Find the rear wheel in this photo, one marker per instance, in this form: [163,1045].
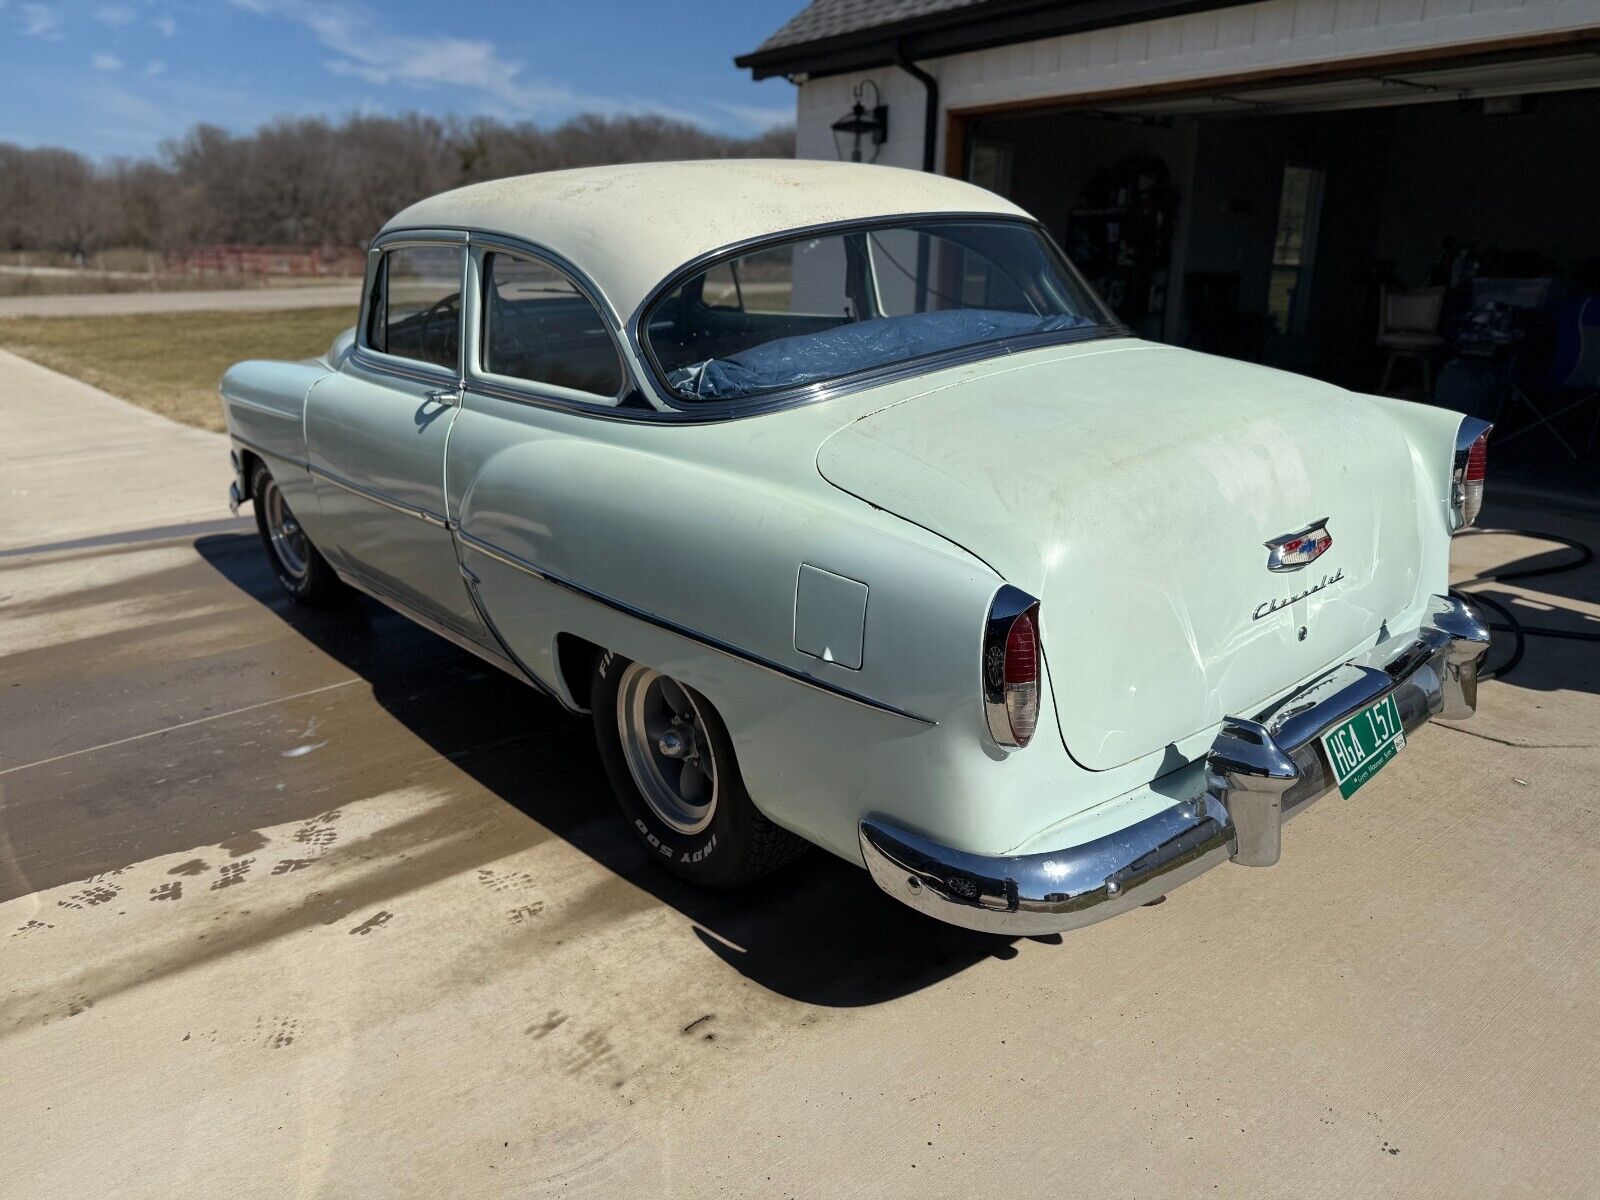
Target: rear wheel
[300,568]
[671,764]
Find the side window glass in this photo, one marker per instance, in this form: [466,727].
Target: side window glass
[538,326]
[416,306]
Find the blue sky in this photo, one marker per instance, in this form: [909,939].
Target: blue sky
[115,77]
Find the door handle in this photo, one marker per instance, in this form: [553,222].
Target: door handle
[445,396]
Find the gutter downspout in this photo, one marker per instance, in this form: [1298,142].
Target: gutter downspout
[930,112]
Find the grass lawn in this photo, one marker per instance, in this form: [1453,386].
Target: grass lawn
[170,362]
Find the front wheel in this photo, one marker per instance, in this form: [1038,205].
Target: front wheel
[671,764]
[300,568]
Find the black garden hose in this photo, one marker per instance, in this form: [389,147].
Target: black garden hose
[1520,632]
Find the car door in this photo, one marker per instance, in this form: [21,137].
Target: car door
[543,367]
[376,432]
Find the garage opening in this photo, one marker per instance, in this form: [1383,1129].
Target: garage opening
[1429,235]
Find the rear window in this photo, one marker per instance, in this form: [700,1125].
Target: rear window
[416,305]
[539,327]
[810,310]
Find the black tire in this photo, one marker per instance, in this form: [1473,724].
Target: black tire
[737,844]
[299,566]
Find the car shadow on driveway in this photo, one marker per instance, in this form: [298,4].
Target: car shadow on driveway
[818,931]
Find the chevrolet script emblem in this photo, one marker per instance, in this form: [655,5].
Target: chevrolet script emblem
[1295,550]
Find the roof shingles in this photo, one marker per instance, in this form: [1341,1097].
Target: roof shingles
[823,19]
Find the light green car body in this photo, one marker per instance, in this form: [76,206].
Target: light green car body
[1130,487]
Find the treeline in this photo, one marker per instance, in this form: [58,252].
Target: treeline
[310,181]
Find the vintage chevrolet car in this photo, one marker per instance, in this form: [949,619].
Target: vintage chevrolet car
[854,518]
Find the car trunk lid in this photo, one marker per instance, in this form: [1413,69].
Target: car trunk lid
[1133,489]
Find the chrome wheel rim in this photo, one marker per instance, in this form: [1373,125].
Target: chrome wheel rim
[289,543]
[667,748]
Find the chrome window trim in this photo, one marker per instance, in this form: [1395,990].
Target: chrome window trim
[1107,327]
[508,387]
[488,549]
[398,364]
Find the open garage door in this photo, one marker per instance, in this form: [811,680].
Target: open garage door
[1426,231]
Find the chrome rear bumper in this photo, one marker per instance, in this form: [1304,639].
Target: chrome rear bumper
[1259,773]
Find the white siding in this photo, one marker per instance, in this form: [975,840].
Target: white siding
[1226,41]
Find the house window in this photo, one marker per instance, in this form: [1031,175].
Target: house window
[1294,247]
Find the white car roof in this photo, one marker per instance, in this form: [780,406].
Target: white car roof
[629,227]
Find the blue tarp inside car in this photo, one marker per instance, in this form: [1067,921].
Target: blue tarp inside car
[857,346]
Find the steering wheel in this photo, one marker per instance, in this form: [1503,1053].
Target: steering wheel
[521,337]
[450,304]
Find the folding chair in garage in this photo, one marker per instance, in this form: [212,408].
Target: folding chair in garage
[1408,328]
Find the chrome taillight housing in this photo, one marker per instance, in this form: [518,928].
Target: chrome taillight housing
[1011,667]
[1471,466]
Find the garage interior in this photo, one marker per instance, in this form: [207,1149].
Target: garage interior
[1427,232]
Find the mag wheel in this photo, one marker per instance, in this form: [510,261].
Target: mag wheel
[671,764]
[302,571]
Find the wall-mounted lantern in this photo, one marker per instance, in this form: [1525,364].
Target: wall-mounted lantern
[862,127]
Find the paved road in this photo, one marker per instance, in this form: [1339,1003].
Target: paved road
[236,300]
[317,903]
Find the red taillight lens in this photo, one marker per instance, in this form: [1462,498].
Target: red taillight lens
[1011,667]
[1022,677]
[1472,465]
[1022,651]
[1478,460]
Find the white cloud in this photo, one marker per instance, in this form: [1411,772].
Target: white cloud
[41,21]
[101,61]
[115,15]
[756,116]
[365,49]
[164,25]
[153,68]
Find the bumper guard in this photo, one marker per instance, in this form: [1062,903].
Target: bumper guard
[1259,773]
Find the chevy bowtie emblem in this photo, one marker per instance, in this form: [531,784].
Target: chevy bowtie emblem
[1294,550]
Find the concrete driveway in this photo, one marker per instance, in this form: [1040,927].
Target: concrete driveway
[300,904]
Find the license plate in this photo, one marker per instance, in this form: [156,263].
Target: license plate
[1359,747]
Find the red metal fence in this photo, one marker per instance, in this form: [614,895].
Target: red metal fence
[267,260]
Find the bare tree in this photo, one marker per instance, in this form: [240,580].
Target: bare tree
[308,181]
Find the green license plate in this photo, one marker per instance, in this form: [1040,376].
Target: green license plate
[1358,748]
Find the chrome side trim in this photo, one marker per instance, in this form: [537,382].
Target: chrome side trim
[386,598]
[703,639]
[522,671]
[1260,772]
[355,489]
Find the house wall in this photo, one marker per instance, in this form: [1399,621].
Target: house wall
[1243,38]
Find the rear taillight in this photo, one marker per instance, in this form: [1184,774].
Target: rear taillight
[1011,667]
[1471,465]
